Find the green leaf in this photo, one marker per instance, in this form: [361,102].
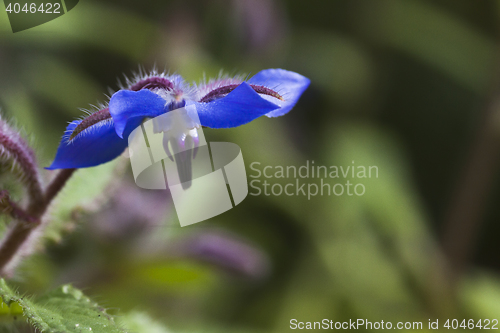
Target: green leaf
[65,309]
[433,36]
[69,88]
[480,295]
[109,28]
[140,322]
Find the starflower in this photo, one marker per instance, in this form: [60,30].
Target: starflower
[220,103]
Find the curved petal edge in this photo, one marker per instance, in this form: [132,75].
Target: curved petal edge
[240,106]
[96,145]
[289,85]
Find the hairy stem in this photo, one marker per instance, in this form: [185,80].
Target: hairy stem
[11,208]
[53,189]
[17,236]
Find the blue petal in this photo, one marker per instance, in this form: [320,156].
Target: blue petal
[240,106]
[289,85]
[95,145]
[129,108]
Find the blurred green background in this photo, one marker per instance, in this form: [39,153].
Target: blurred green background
[408,86]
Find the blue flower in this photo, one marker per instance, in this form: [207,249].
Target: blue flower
[220,103]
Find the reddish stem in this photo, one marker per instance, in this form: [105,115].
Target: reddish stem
[17,236]
[13,209]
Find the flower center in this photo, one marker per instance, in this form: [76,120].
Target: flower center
[176,104]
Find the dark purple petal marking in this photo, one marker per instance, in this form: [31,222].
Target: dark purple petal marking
[91,120]
[221,91]
[152,83]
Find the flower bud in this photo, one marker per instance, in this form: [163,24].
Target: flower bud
[17,156]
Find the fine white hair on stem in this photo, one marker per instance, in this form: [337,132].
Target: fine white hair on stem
[20,159]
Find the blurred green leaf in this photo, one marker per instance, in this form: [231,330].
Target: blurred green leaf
[335,63]
[61,84]
[480,295]
[65,309]
[92,23]
[21,110]
[433,36]
[83,189]
[174,275]
[376,245]
[140,322]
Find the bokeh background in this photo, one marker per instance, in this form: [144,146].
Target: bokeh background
[409,86]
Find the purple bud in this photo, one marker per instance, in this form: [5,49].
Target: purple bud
[259,23]
[130,212]
[20,158]
[226,251]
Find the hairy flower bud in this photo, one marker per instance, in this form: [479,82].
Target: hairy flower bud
[19,158]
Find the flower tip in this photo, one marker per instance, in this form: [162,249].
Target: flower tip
[56,164]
